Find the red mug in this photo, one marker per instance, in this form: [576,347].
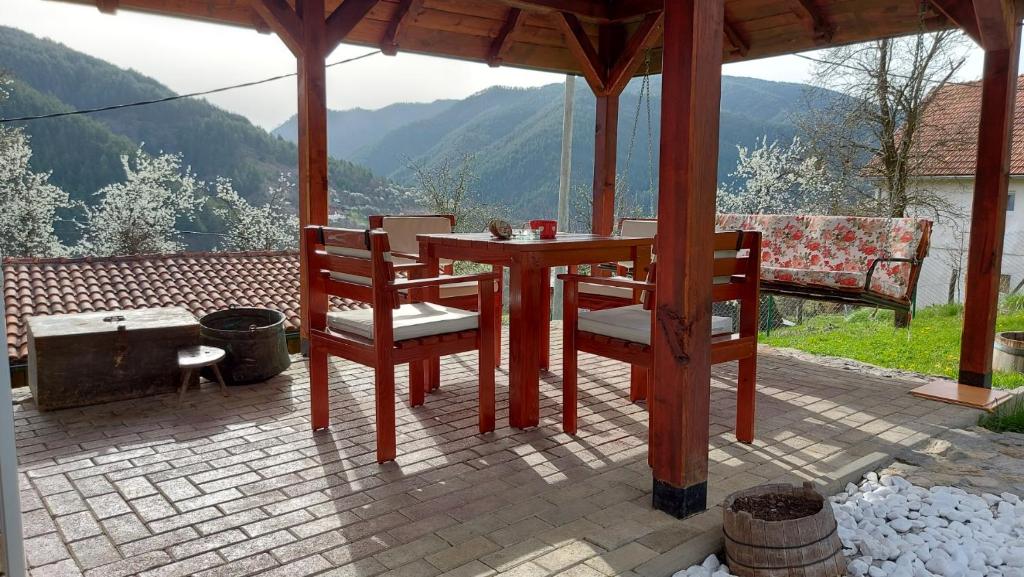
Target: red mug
[547,228]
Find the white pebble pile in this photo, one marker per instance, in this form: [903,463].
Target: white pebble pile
[892,528]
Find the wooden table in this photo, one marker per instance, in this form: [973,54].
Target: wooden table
[529,263]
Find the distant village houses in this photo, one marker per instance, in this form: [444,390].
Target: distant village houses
[945,170]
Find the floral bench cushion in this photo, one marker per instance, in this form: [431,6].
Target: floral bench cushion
[836,252]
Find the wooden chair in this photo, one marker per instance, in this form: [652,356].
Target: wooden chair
[402,230]
[593,296]
[624,333]
[357,265]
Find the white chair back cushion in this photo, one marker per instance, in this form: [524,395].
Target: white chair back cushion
[402,230]
[352,253]
[643,228]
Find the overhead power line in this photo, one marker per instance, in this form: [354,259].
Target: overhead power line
[175,97]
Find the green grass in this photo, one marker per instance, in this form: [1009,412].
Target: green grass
[931,345]
[1009,417]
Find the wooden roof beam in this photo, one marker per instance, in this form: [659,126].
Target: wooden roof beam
[107,6]
[344,18]
[583,50]
[823,31]
[389,44]
[996,19]
[739,44]
[620,10]
[501,43]
[590,10]
[961,14]
[626,64]
[283,20]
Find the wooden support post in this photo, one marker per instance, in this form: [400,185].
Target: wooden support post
[611,41]
[606,129]
[680,386]
[312,119]
[988,213]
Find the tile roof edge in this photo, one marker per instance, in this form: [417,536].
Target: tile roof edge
[145,257]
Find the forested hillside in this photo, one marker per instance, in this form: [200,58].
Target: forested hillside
[515,136]
[83,152]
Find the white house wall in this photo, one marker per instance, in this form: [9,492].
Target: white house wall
[950,237]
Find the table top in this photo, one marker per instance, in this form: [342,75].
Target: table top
[564,241]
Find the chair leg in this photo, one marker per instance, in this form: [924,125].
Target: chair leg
[220,380]
[570,394]
[417,383]
[433,373]
[384,386]
[746,399]
[319,401]
[637,383]
[497,332]
[486,386]
[186,376]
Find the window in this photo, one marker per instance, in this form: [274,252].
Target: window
[1010,198]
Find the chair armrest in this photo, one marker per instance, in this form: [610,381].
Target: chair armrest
[871,270]
[630,284]
[406,255]
[409,267]
[442,280]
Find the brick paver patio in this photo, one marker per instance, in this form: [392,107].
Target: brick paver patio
[241,486]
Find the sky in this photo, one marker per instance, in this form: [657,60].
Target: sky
[189,56]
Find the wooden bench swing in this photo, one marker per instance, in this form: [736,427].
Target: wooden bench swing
[852,260]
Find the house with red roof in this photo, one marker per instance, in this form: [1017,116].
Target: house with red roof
[947,151]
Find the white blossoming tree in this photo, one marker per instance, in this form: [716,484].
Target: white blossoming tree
[139,215]
[777,179]
[28,202]
[266,227]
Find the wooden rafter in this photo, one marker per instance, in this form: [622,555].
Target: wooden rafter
[995,19]
[583,50]
[283,20]
[107,6]
[583,9]
[389,44]
[344,18]
[961,14]
[739,44]
[627,62]
[823,31]
[501,43]
[630,9]
[260,24]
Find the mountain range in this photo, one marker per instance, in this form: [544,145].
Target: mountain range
[83,152]
[514,136]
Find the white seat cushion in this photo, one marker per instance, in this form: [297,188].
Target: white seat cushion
[410,321]
[633,323]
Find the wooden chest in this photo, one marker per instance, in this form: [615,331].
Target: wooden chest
[90,358]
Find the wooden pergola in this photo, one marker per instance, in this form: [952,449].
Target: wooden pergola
[604,41]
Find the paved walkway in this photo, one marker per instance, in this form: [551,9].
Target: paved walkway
[241,486]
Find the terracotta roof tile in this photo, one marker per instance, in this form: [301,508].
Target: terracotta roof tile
[947,142]
[199,282]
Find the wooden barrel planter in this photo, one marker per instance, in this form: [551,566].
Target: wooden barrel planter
[1008,352]
[781,530]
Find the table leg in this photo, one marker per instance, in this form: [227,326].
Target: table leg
[432,268]
[545,319]
[186,375]
[525,304]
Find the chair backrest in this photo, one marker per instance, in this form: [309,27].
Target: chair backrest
[638,227]
[736,268]
[402,229]
[350,263]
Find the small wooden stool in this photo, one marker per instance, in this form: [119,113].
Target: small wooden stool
[194,358]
